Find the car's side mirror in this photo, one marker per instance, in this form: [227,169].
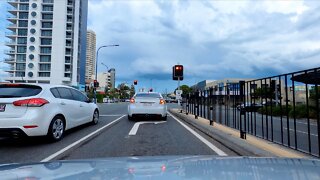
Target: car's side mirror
[88,101]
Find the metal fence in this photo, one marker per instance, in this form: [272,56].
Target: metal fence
[283,109]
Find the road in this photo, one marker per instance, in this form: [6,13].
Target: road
[256,124]
[152,137]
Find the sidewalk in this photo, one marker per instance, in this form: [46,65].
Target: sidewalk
[251,146]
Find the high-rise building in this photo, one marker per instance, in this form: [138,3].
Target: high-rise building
[47,41]
[112,73]
[106,79]
[91,55]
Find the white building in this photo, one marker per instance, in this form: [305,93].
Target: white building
[47,41]
[91,55]
[104,80]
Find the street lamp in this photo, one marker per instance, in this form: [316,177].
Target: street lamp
[105,66]
[96,75]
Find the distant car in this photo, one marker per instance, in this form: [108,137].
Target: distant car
[127,100]
[43,110]
[248,107]
[147,104]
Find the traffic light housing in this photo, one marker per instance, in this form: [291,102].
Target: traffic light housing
[95,83]
[177,72]
[135,82]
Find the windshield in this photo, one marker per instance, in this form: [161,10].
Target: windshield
[160,79]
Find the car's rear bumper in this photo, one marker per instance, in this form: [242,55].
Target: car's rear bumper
[33,123]
[11,132]
[150,110]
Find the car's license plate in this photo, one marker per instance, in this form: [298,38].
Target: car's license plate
[147,104]
[2,107]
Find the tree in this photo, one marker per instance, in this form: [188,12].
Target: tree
[113,93]
[185,89]
[263,93]
[313,96]
[124,91]
[132,91]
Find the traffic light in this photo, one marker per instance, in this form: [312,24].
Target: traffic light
[177,72]
[135,82]
[151,90]
[95,83]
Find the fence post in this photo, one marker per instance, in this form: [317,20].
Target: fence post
[187,104]
[196,114]
[242,112]
[210,105]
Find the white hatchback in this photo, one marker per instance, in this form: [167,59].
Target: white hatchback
[147,104]
[43,110]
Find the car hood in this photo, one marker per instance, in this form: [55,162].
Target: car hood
[167,167]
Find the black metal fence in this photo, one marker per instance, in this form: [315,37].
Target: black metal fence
[283,109]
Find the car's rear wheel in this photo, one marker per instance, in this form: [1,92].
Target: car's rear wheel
[95,118]
[56,129]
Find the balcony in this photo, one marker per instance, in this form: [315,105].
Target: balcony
[13,3]
[69,28]
[12,27]
[10,52]
[9,60]
[11,43]
[12,18]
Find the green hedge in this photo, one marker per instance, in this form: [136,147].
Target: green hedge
[99,97]
[300,111]
[276,110]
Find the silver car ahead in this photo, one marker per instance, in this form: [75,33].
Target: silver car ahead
[147,104]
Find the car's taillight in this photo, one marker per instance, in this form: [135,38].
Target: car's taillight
[132,101]
[162,101]
[34,102]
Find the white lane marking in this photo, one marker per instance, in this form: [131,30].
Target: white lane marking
[136,125]
[110,115]
[301,132]
[51,157]
[206,142]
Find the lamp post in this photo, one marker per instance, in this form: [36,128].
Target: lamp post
[96,75]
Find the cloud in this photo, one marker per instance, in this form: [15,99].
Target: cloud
[212,39]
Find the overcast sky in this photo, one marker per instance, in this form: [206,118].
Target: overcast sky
[212,39]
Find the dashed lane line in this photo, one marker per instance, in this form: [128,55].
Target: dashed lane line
[51,157]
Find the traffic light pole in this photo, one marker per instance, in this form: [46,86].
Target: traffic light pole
[178,89]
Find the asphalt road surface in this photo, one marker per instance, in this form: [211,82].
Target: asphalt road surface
[114,136]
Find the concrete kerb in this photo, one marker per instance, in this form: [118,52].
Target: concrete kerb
[252,146]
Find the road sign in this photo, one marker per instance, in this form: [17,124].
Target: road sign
[178,94]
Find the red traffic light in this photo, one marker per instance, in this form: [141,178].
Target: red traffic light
[178,72]
[135,82]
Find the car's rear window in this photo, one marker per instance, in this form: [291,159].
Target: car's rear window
[18,90]
[148,95]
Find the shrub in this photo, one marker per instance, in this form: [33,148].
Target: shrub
[276,110]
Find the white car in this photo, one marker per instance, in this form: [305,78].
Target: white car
[43,110]
[147,104]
